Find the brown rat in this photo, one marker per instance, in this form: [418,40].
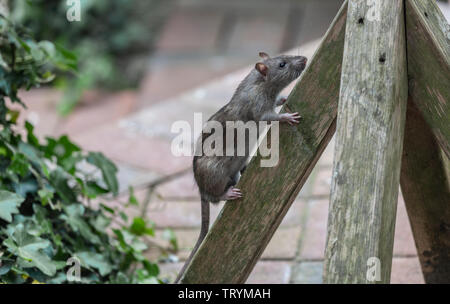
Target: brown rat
[255,99]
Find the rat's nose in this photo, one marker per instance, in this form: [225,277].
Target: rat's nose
[301,62]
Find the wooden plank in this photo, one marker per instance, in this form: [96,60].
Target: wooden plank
[369,140]
[428,46]
[244,227]
[425,186]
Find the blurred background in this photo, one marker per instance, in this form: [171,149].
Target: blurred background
[144,64]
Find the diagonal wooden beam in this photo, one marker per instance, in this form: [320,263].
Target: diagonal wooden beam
[428,48]
[244,227]
[426,190]
[369,141]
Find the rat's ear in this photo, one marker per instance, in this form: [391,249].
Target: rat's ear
[262,68]
[264,55]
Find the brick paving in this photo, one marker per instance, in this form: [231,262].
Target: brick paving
[196,66]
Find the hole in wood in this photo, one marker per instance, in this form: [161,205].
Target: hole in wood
[382,58]
[426,14]
[361,20]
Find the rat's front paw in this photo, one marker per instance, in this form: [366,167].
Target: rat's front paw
[290,118]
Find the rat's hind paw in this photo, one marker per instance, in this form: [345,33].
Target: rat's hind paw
[232,194]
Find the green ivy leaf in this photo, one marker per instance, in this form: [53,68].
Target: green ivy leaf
[152,269]
[19,164]
[36,51]
[100,223]
[41,220]
[66,53]
[31,138]
[139,227]
[46,195]
[123,216]
[132,200]
[4,64]
[62,148]
[14,115]
[48,47]
[130,243]
[3,151]
[5,267]
[92,189]
[30,249]
[25,186]
[121,278]
[74,217]
[30,152]
[94,260]
[14,38]
[150,280]
[120,238]
[9,204]
[59,180]
[69,163]
[107,168]
[65,59]
[107,209]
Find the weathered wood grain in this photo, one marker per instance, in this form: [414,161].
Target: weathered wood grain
[244,227]
[369,141]
[428,47]
[426,190]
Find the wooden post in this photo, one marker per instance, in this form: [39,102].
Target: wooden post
[428,45]
[424,180]
[244,227]
[425,186]
[369,141]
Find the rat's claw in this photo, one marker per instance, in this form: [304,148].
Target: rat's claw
[291,118]
[232,194]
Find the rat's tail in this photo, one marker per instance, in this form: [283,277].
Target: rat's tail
[203,231]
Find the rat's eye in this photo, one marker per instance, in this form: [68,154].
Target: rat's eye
[282,64]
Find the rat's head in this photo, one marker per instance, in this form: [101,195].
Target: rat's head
[279,71]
